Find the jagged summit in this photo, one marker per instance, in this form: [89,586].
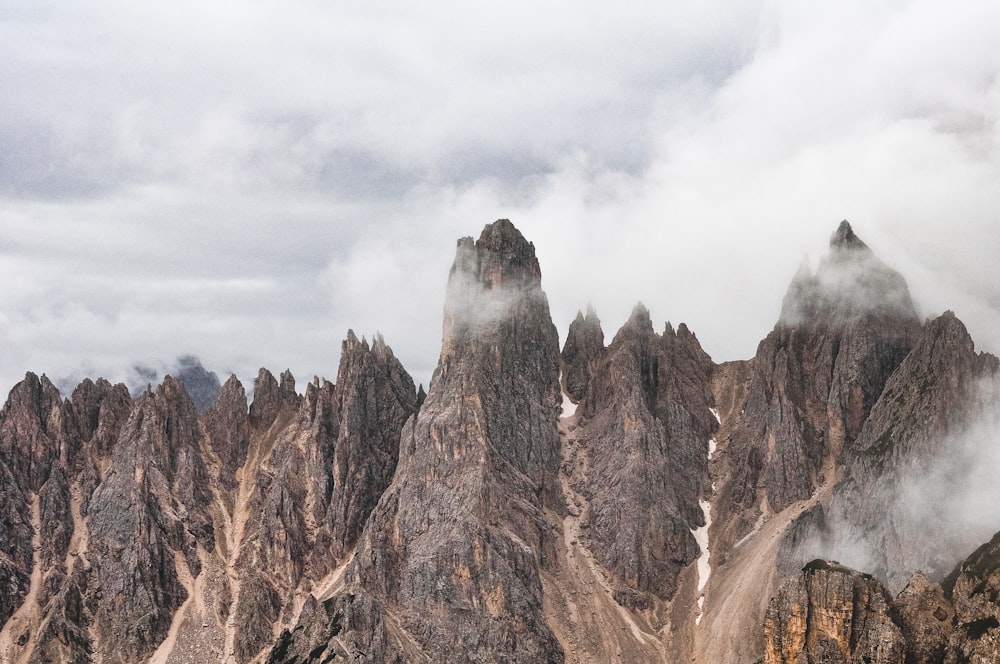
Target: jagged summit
[501,257]
[493,282]
[640,319]
[844,238]
[584,345]
[851,283]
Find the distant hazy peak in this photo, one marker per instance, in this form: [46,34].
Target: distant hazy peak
[851,282]
[845,239]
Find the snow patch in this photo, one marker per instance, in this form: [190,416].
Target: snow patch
[568,407]
[704,565]
[701,537]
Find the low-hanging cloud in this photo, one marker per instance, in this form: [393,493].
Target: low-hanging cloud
[931,511]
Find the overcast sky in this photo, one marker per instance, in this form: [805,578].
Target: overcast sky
[244,181]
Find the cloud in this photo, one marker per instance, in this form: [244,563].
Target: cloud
[949,482]
[247,183]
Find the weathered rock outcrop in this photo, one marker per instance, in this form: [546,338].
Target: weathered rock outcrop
[841,334]
[914,463]
[925,617]
[152,504]
[330,462]
[580,354]
[33,435]
[974,587]
[15,543]
[228,427]
[270,397]
[831,615]
[644,427]
[375,397]
[448,568]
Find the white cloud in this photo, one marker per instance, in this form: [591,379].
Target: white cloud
[157,161]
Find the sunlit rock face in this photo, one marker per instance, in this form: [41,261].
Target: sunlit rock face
[829,614]
[832,614]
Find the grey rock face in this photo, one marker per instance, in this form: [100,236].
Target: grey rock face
[201,385]
[330,461]
[448,567]
[33,435]
[269,397]
[582,350]
[228,427]
[375,398]
[152,503]
[644,428]
[913,463]
[817,375]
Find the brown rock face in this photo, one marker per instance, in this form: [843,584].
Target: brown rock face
[228,429]
[141,515]
[924,615]
[33,435]
[582,350]
[832,615]
[914,463]
[269,397]
[974,587]
[448,568]
[644,428]
[152,503]
[816,376]
[375,400]
[331,461]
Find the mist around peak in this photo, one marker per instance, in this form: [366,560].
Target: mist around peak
[917,501]
[850,283]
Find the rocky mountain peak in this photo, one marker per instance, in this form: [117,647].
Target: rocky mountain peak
[638,326]
[457,540]
[850,284]
[584,345]
[269,397]
[228,426]
[202,386]
[489,520]
[844,239]
[506,257]
[32,430]
[493,282]
[639,321]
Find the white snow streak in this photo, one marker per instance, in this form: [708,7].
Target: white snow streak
[568,407]
[701,536]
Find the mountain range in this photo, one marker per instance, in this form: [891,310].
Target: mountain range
[829,500]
